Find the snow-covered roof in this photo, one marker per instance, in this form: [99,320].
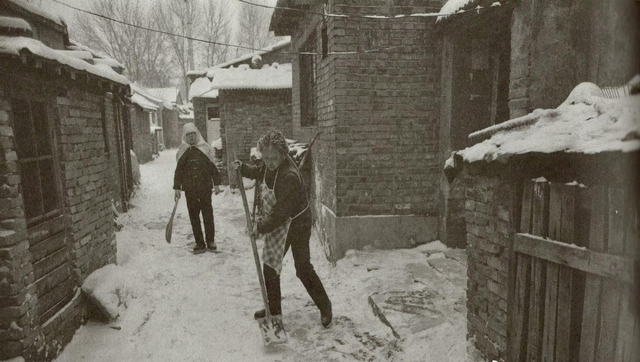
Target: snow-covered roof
[143,102]
[10,22]
[98,57]
[592,125]
[18,45]
[242,58]
[38,11]
[275,76]
[201,88]
[136,88]
[458,6]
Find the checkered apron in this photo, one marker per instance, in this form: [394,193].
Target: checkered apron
[274,242]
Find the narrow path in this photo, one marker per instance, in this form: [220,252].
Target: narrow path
[183,307]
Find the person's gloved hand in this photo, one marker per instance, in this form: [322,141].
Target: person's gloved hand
[236,164]
[216,189]
[176,195]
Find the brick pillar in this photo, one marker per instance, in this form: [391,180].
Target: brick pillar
[20,334]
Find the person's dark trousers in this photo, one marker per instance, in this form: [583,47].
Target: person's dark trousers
[298,240]
[200,202]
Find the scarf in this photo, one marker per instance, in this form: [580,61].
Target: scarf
[202,145]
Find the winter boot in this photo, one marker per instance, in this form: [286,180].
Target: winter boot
[199,249]
[212,246]
[259,314]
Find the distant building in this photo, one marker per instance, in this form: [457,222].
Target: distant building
[146,125]
[171,129]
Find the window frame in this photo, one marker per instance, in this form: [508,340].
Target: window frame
[48,108]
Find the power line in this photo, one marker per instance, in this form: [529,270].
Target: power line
[368,17]
[369,51]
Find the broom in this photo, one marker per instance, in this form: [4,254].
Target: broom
[271,327]
[169,229]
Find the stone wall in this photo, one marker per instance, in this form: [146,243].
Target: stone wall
[246,114]
[489,213]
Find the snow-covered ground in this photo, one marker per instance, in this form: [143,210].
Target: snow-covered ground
[176,306]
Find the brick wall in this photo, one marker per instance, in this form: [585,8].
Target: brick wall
[19,320]
[200,114]
[39,311]
[87,176]
[171,127]
[489,213]
[246,114]
[377,112]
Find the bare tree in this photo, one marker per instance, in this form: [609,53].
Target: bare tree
[142,52]
[217,28]
[254,26]
[185,18]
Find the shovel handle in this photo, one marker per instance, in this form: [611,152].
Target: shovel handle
[253,243]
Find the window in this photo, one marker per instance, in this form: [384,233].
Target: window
[308,111]
[35,157]
[213,112]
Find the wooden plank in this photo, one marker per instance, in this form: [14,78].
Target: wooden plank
[611,289]
[536,310]
[593,287]
[47,229]
[55,277]
[51,245]
[563,330]
[519,322]
[52,261]
[607,265]
[540,218]
[527,197]
[626,325]
[550,308]
[48,301]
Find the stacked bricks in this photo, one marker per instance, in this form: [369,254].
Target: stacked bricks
[247,114]
[386,110]
[111,149]
[86,175]
[489,222]
[19,319]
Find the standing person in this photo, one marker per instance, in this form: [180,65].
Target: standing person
[196,175]
[285,222]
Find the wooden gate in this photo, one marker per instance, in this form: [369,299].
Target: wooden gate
[573,290]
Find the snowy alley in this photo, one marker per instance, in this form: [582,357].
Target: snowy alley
[176,306]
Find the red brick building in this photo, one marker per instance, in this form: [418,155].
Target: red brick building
[64,161]
[371,87]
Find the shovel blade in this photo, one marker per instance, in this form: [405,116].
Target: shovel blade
[272,330]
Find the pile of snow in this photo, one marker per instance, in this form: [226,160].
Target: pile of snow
[16,45]
[584,123]
[274,76]
[99,57]
[452,7]
[9,22]
[107,288]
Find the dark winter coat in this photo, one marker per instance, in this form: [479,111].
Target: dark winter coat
[195,172]
[291,195]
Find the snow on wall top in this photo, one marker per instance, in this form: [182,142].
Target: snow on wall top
[593,126]
[14,23]
[452,6]
[39,11]
[15,45]
[201,88]
[275,76]
[242,58]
